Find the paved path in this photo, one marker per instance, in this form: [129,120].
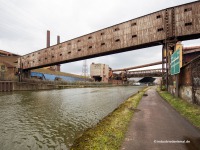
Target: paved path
[157,121]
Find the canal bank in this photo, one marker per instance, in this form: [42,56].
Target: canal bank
[109,132]
[188,110]
[7,86]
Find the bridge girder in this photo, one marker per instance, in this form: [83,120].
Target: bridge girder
[158,28]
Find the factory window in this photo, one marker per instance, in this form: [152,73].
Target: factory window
[33,61]
[116,29]
[69,44]
[27,56]
[60,54]
[188,24]
[52,56]
[133,24]
[160,29]
[159,16]
[69,52]
[45,58]
[117,40]
[134,36]
[39,59]
[102,33]
[103,44]
[90,47]
[89,37]
[79,49]
[187,9]
[79,41]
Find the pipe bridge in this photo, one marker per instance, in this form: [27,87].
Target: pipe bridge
[136,67]
[159,28]
[145,73]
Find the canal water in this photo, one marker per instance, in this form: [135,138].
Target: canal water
[54,119]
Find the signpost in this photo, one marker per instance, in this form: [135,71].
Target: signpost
[176,64]
[176,60]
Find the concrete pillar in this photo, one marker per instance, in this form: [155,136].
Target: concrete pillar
[177,85]
[167,66]
[27,74]
[163,65]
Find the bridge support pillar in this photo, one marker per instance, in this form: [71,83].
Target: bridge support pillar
[23,74]
[168,48]
[27,74]
[163,66]
[20,74]
[176,85]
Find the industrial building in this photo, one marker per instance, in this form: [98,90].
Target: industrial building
[99,72]
[8,63]
[9,70]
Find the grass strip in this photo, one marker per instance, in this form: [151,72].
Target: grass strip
[186,109]
[109,133]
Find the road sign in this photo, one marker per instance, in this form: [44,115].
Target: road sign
[176,60]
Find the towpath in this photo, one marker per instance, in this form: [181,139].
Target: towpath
[157,126]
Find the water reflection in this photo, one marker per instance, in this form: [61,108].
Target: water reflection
[53,119]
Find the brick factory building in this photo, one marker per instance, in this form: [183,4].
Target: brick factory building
[8,63]
[99,72]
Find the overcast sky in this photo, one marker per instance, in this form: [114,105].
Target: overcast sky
[23,26]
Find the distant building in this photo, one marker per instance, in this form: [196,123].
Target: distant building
[8,66]
[99,72]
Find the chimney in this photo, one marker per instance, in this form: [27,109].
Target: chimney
[58,39]
[48,38]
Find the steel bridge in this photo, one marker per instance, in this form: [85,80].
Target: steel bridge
[145,73]
[140,66]
[164,27]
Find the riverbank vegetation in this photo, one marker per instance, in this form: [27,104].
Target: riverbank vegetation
[188,110]
[109,132]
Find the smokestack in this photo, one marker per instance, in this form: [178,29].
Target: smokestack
[58,39]
[48,38]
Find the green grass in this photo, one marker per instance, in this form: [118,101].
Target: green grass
[188,110]
[109,133]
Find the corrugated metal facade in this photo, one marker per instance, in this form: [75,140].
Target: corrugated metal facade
[52,77]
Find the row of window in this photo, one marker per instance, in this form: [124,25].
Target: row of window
[117,40]
[102,44]
[116,29]
[132,24]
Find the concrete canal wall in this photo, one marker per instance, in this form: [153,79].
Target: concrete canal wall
[7,86]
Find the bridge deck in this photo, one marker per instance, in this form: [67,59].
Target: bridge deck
[182,22]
